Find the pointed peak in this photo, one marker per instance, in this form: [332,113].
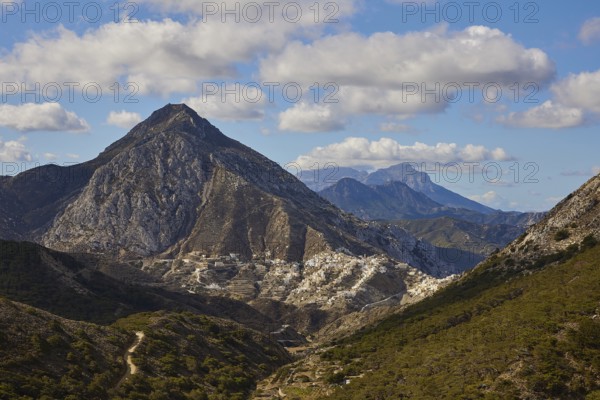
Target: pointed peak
[171,119]
[175,117]
[170,111]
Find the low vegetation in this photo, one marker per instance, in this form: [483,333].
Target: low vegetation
[505,331]
[188,356]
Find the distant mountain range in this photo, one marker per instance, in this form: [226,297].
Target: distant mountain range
[393,200]
[389,195]
[404,173]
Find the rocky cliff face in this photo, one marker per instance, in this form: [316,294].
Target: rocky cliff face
[573,220]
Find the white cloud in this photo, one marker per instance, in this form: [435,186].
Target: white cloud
[575,99]
[548,115]
[361,152]
[72,156]
[41,117]
[391,74]
[396,127]
[162,57]
[494,200]
[50,156]
[123,119]
[14,151]
[579,90]
[490,197]
[304,117]
[590,31]
[389,60]
[244,102]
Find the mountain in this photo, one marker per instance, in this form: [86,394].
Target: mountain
[394,200]
[320,179]
[567,226]
[176,185]
[421,182]
[468,231]
[405,172]
[524,324]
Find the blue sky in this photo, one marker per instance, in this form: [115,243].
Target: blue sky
[499,101]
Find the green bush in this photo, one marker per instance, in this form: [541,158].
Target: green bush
[561,235]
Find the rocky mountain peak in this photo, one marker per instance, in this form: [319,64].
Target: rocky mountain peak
[174,114]
[176,118]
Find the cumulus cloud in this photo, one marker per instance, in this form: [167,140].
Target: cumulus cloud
[548,115]
[50,156]
[361,152]
[14,151]
[243,102]
[161,57]
[575,98]
[304,117]
[494,200]
[394,74]
[389,60]
[123,119]
[590,31]
[579,90]
[31,117]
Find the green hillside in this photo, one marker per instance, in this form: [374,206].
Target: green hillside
[182,356]
[188,356]
[503,332]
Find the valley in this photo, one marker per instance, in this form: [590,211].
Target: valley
[207,278]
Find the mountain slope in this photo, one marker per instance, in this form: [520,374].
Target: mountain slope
[525,324]
[491,335]
[468,236]
[187,356]
[45,356]
[182,356]
[566,225]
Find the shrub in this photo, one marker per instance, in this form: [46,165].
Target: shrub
[561,235]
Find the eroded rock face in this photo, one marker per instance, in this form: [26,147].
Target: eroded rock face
[569,223]
[141,202]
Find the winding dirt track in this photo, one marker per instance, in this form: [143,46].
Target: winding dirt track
[128,357]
